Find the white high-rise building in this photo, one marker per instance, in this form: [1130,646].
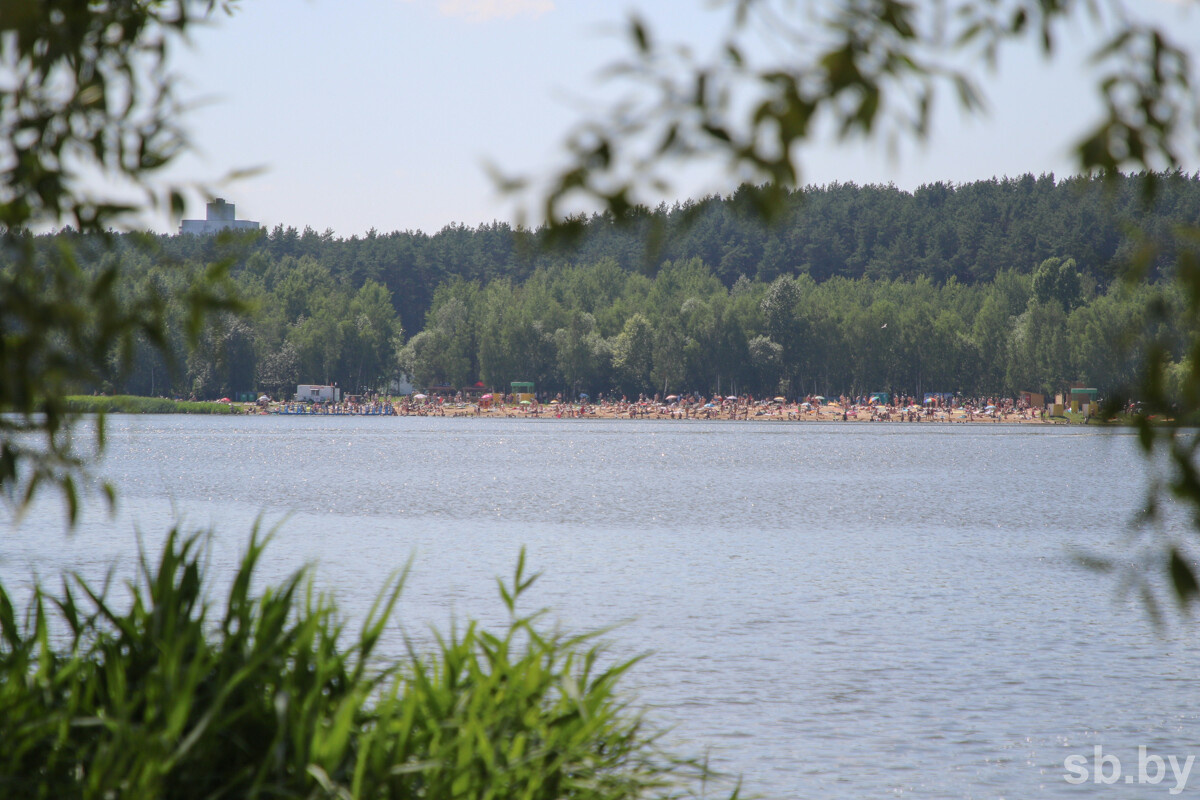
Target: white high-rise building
[220,217]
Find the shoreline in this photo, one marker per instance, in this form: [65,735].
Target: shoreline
[727,412]
[762,413]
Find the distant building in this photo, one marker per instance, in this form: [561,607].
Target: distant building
[220,217]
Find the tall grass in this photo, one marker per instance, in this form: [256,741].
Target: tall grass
[270,697]
[131,404]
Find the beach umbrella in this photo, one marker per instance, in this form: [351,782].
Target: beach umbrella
[732,397]
[583,395]
[780,399]
[524,402]
[487,396]
[818,397]
[420,396]
[264,399]
[806,405]
[672,397]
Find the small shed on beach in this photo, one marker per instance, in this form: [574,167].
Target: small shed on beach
[317,393]
[1033,399]
[522,391]
[1082,395]
[1078,397]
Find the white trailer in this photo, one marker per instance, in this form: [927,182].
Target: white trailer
[318,393]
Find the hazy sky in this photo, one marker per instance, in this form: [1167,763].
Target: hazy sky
[382,113]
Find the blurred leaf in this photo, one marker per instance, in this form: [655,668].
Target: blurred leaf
[1183,579]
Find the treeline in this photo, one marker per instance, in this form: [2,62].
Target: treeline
[601,328]
[969,232]
[989,287]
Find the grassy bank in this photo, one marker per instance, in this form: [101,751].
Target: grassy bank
[129,404]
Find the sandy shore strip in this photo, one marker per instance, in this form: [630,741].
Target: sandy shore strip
[730,411]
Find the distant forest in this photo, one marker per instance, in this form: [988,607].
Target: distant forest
[985,288]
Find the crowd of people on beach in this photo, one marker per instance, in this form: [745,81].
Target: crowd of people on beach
[861,408]
[373,408]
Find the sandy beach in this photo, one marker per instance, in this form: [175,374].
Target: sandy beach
[729,411]
[831,412]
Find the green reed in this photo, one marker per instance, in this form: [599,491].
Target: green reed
[174,697]
[131,404]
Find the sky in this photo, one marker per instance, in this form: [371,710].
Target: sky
[384,114]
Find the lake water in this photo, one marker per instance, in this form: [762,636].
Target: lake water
[831,610]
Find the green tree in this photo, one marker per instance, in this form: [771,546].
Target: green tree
[1106,347]
[319,337]
[990,335]
[584,357]
[279,371]
[667,369]
[1039,357]
[373,331]
[766,358]
[784,326]
[1059,280]
[633,355]
[441,353]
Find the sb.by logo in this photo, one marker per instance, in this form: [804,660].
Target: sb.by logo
[1106,769]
